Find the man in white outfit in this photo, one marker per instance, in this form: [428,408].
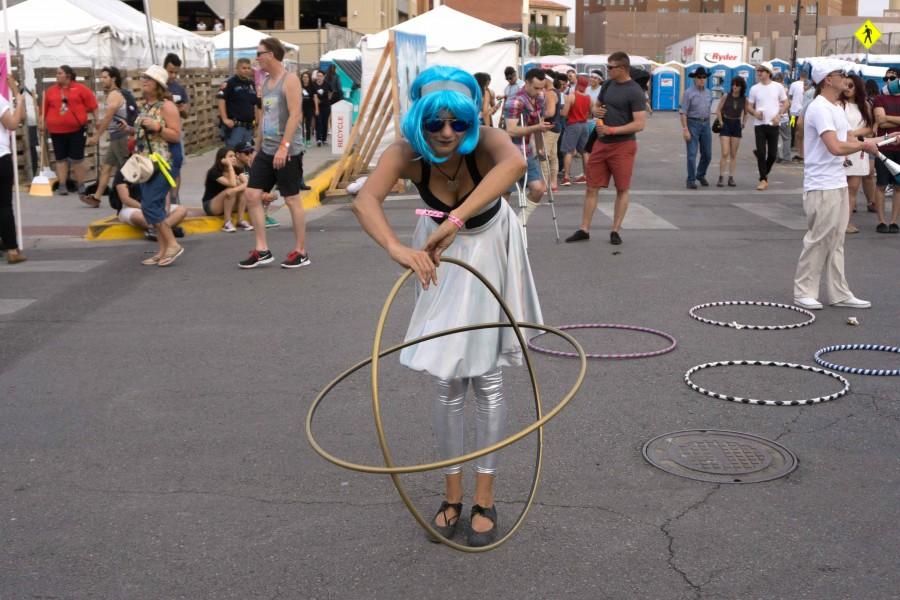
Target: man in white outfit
[825,198]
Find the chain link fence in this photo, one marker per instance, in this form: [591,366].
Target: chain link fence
[889,43]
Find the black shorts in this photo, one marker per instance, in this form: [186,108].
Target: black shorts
[882,175]
[69,145]
[263,175]
[731,128]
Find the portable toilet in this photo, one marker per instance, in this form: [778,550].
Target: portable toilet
[666,89]
[719,82]
[781,66]
[679,68]
[747,72]
[589,62]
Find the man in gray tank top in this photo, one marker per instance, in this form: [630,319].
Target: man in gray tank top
[280,156]
[114,122]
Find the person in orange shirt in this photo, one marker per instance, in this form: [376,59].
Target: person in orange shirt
[65,112]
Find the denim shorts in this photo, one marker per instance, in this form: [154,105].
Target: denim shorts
[534,172]
[153,196]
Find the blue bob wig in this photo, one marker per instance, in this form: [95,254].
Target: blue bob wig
[434,93]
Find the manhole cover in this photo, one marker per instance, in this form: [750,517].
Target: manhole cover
[719,456]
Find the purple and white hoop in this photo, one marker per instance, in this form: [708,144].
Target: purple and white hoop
[673,343]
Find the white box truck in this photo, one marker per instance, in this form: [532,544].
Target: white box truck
[709,47]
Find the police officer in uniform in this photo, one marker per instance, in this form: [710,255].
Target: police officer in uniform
[238,104]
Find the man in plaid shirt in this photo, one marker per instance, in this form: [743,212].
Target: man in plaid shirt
[528,103]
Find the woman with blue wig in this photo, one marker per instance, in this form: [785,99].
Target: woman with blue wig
[460,170]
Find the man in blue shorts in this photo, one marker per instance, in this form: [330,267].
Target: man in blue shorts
[528,103]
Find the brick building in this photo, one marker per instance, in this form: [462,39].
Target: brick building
[763,8]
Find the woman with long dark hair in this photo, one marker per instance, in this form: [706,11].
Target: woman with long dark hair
[859,116]
[308,106]
[732,114]
[224,190]
[489,104]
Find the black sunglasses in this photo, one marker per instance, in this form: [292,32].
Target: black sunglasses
[435,125]
[258,53]
[890,78]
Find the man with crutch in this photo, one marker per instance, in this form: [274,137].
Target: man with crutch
[528,104]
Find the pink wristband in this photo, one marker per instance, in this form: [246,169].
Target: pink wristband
[456,221]
[428,212]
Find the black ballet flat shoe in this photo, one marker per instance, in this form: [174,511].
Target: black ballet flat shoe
[477,539]
[449,529]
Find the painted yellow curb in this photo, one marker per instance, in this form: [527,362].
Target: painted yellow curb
[110,228]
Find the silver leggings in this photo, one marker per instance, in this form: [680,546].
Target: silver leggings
[447,418]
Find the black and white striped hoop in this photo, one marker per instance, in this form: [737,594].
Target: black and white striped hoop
[766,363]
[857,370]
[736,325]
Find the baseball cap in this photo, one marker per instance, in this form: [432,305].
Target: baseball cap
[245,148]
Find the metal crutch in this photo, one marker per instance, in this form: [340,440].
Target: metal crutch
[549,187]
[522,189]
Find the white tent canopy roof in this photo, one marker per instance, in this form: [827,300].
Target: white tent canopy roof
[56,21]
[447,29]
[347,54]
[245,37]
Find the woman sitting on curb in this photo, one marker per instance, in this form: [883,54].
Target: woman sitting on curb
[223,189]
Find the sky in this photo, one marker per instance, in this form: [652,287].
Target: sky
[867,8]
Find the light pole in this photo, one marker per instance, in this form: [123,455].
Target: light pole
[796,39]
[746,3]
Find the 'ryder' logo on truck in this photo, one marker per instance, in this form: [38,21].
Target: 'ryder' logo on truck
[715,57]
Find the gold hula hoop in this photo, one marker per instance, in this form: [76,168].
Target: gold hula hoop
[393,470]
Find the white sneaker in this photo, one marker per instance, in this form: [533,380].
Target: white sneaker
[245,226]
[228,227]
[808,303]
[852,302]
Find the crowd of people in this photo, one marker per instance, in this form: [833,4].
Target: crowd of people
[778,115]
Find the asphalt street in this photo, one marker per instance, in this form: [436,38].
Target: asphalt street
[152,420]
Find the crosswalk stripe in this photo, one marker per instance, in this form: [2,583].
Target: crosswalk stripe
[637,217]
[52,266]
[9,306]
[786,216]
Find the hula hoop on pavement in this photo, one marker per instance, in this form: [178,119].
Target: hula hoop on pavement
[393,470]
[766,363]
[857,370]
[673,342]
[736,325]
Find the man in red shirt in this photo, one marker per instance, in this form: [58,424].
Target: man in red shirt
[65,113]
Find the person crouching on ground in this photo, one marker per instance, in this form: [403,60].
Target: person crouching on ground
[825,198]
[460,170]
[158,129]
[224,189]
[127,197]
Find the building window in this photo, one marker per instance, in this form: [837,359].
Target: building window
[684,10]
[812,9]
[559,21]
[793,9]
[781,9]
[737,8]
[663,10]
[533,19]
[768,8]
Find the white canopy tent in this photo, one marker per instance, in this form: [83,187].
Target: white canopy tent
[96,33]
[246,40]
[453,39]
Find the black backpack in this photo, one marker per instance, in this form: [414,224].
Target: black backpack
[131,107]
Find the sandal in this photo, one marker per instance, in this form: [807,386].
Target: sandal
[90,200]
[153,260]
[449,529]
[477,539]
[171,255]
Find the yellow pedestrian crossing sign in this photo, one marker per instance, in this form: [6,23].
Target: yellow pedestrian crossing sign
[868,34]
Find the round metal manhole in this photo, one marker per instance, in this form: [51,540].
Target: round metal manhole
[719,456]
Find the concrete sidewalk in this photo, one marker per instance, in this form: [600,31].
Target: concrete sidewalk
[66,216]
